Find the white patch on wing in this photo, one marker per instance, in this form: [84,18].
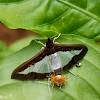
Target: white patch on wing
[66,57]
[43,66]
[52,62]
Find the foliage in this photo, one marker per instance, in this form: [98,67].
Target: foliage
[4,51]
[50,17]
[84,86]
[19,44]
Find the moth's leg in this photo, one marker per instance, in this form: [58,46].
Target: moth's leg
[78,64]
[49,83]
[40,43]
[72,73]
[42,48]
[52,85]
[60,86]
[56,42]
[35,80]
[56,37]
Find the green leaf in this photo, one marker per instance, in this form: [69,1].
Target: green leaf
[19,44]
[97,38]
[4,51]
[50,17]
[84,86]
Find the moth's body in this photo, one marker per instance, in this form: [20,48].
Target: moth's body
[51,52]
[58,80]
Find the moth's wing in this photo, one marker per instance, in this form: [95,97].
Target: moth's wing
[25,67]
[42,66]
[41,62]
[70,54]
[48,64]
[66,57]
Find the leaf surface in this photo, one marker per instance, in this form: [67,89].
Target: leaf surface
[19,44]
[4,51]
[84,86]
[50,17]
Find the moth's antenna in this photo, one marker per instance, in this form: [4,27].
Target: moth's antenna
[72,73]
[40,43]
[56,37]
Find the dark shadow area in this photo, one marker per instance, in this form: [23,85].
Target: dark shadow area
[9,36]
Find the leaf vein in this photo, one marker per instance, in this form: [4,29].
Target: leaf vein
[91,86]
[55,18]
[80,9]
[89,46]
[81,26]
[92,64]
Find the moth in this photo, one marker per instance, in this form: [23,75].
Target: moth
[50,62]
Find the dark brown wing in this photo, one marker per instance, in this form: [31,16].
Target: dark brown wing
[76,58]
[25,65]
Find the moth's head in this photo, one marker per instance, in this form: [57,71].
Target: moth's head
[49,43]
[58,80]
